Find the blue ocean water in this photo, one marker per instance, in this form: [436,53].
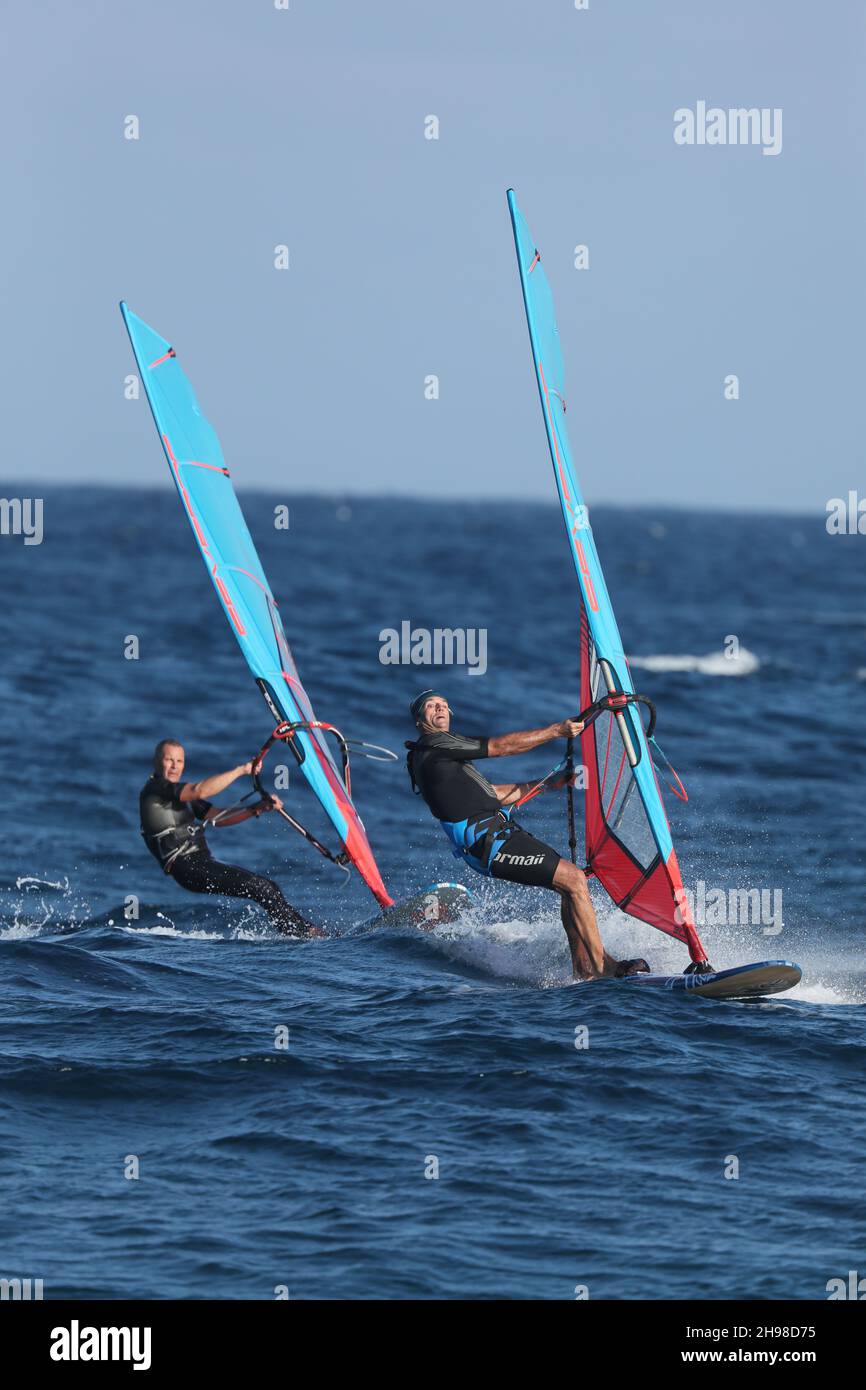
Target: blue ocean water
[305,1167]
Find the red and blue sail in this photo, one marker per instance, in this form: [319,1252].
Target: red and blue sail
[202,479]
[628,839]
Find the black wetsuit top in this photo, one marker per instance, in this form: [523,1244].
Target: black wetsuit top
[441,768]
[170,826]
[472,815]
[175,838]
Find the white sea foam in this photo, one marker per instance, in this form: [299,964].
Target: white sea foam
[168,929]
[813,990]
[249,926]
[37,895]
[518,936]
[532,949]
[21,931]
[531,952]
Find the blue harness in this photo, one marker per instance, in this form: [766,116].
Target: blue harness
[477,841]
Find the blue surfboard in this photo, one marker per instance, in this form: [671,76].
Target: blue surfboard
[753,981]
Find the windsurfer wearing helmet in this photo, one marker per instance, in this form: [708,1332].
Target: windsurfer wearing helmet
[173,816]
[475,815]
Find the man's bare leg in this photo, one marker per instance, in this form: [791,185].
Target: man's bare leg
[582,967]
[589,959]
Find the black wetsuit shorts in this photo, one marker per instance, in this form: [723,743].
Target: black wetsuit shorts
[523,859]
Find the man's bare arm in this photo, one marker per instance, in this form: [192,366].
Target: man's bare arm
[503,745]
[212,786]
[510,792]
[513,791]
[219,818]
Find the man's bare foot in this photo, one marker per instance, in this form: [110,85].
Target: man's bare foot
[580,976]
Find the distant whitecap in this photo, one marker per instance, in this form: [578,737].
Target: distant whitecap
[745,663]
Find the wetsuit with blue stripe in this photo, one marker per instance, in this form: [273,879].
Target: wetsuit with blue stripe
[467,807]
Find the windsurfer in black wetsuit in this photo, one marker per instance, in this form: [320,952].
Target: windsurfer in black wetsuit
[171,812]
[473,813]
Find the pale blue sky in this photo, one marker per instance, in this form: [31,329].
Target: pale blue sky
[261,126]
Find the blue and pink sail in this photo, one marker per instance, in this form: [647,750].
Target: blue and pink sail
[202,479]
[627,836]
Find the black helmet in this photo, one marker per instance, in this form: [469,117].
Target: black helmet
[420,701]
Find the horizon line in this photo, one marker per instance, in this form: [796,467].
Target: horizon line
[116,485]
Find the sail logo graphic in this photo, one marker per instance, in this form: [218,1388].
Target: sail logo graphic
[77,1343]
[439,646]
[712,125]
[22,516]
